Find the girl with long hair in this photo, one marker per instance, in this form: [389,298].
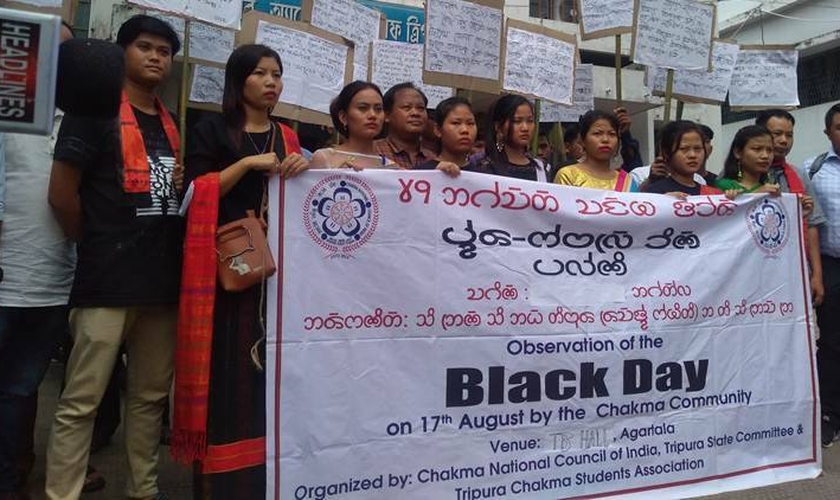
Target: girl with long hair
[511,126]
[684,154]
[599,132]
[746,166]
[220,384]
[358,115]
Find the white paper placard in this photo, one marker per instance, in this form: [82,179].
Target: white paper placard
[463,38]
[208,84]
[538,65]
[605,17]
[52,4]
[700,85]
[207,42]
[354,22]
[584,99]
[674,34]
[398,62]
[224,13]
[313,67]
[765,78]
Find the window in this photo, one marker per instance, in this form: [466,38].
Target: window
[558,10]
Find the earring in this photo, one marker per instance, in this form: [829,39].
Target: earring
[500,144]
[740,174]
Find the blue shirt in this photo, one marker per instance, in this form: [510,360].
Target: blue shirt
[826,184]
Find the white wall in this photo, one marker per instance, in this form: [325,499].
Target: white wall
[808,137]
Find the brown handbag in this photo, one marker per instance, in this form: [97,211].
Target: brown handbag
[244,257]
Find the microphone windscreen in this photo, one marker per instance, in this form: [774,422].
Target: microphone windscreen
[90,77]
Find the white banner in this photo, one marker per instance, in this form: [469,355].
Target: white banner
[484,337]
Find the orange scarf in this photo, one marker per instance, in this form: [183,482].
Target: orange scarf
[195,316]
[135,160]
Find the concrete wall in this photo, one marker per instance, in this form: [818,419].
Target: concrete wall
[816,30]
[808,137]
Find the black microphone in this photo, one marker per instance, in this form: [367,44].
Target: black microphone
[90,77]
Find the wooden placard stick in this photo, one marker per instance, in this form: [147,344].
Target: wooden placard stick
[185,83]
[669,91]
[535,140]
[618,96]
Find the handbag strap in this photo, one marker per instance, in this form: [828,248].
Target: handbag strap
[263,215]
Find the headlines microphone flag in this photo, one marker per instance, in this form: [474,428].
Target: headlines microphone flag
[28,69]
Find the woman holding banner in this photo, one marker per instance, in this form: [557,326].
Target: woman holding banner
[358,114]
[683,151]
[219,417]
[510,130]
[599,133]
[456,130]
[746,166]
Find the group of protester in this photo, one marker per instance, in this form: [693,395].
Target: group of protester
[139,280]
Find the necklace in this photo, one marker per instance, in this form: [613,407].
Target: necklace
[253,143]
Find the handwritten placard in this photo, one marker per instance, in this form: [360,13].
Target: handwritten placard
[353,21]
[765,76]
[584,99]
[605,17]
[208,84]
[207,42]
[673,34]
[314,68]
[700,86]
[224,13]
[463,43]
[539,62]
[398,62]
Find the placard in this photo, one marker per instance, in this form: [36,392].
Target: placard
[207,85]
[464,44]
[316,64]
[62,8]
[539,62]
[708,87]
[673,34]
[533,341]
[353,21]
[599,18]
[765,77]
[224,13]
[207,42]
[398,62]
[584,99]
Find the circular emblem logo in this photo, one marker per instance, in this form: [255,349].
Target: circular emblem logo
[769,224]
[340,213]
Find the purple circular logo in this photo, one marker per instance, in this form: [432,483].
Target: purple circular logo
[340,213]
[770,225]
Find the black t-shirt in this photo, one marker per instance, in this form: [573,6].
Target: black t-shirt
[211,148]
[669,185]
[506,169]
[710,178]
[130,253]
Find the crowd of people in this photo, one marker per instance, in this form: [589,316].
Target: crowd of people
[97,245]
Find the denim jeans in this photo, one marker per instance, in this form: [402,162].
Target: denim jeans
[28,336]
